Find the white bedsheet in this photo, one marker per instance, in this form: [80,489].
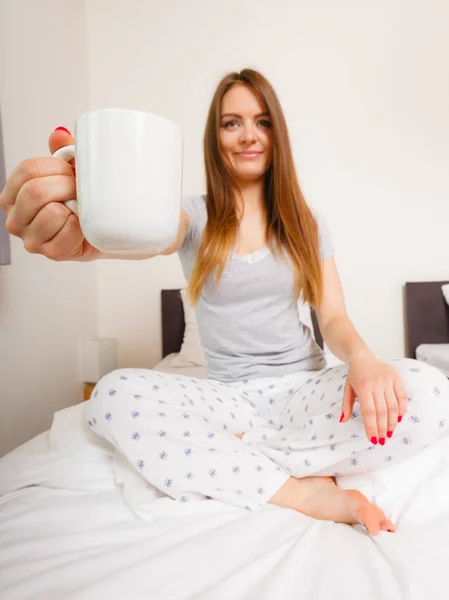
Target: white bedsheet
[77,522]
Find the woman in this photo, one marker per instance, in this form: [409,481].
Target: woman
[265,426]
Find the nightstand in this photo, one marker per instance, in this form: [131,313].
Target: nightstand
[87,390]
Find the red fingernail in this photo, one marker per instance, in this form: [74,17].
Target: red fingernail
[389,433]
[63,129]
[374,440]
[381,441]
[342,417]
[399,418]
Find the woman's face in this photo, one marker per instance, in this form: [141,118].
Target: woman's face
[245,127]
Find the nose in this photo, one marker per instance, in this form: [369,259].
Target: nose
[248,133]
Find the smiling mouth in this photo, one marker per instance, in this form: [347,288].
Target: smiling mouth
[249,154]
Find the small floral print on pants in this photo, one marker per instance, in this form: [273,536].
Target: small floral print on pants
[179,432]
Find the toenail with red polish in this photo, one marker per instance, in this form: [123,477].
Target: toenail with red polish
[342,417]
[399,418]
[374,440]
[381,441]
[389,434]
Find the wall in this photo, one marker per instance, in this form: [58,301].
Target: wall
[365,97]
[364,91]
[46,308]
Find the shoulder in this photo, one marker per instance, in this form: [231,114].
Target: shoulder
[326,243]
[315,212]
[319,216]
[194,206]
[194,203]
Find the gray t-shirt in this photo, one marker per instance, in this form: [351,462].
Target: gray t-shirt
[249,323]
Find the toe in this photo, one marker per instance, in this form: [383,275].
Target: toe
[373,518]
[390,526]
[372,523]
[385,524]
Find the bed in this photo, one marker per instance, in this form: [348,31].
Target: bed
[78,523]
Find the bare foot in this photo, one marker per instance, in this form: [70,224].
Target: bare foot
[321,498]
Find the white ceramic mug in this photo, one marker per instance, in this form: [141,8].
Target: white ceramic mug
[128,180]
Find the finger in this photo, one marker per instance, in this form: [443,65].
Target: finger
[30,169]
[369,415]
[58,139]
[381,414]
[393,408]
[46,225]
[67,243]
[348,403]
[37,193]
[401,396]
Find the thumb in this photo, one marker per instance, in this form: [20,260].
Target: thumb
[348,402]
[59,138]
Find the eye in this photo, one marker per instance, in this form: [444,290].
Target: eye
[266,123]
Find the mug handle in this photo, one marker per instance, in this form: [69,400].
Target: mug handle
[67,153]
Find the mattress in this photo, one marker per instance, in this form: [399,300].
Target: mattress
[77,522]
[436,355]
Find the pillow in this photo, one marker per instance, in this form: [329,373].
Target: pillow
[445,290]
[191,352]
[436,355]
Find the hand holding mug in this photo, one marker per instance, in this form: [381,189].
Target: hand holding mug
[33,200]
[127,196]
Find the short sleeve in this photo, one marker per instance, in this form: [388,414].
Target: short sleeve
[195,207]
[326,244]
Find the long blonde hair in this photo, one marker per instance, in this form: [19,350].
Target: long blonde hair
[290,224]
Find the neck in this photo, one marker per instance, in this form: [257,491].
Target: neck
[253,197]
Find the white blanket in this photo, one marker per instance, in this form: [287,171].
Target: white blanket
[77,522]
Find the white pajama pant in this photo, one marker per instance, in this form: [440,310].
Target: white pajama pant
[179,431]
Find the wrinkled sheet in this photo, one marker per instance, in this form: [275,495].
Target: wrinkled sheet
[77,522]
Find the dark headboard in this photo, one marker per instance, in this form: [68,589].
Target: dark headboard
[427,315]
[173,323]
